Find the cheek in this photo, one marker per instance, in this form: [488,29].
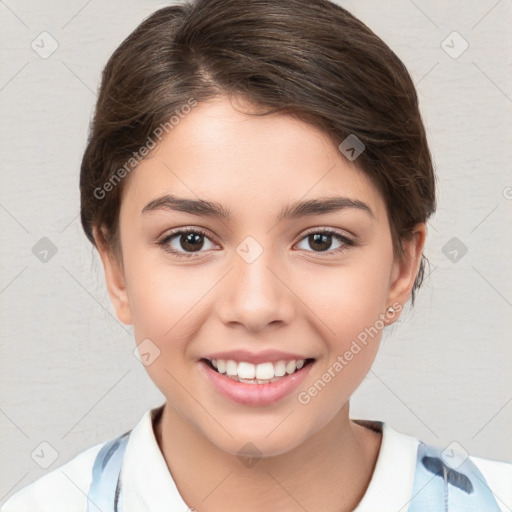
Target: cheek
[347,303]
[348,298]
[165,302]
[169,304]
[167,310]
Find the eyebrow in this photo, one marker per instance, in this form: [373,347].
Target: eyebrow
[294,210]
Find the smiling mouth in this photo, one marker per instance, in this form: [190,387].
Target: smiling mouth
[263,373]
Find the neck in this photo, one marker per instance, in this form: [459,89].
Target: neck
[330,471]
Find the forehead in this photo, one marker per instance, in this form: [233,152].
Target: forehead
[220,152]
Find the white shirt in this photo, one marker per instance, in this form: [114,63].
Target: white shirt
[148,484]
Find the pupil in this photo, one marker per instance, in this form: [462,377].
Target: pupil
[191,240]
[319,238]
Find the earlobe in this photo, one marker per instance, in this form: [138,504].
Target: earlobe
[406,268]
[114,278]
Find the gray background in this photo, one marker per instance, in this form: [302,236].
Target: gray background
[68,376]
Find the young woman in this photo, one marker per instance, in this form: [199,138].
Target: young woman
[257,182]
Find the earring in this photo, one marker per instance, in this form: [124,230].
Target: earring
[390,310]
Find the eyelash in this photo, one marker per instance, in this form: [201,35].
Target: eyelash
[347,242]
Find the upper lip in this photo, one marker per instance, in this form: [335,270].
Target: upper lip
[264,356]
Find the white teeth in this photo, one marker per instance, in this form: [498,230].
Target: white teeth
[256,373]
[246,370]
[291,366]
[231,367]
[279,368]
[264,371]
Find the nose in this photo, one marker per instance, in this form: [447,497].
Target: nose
[257,290]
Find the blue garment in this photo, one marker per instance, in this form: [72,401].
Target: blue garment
[105,489]
[441,488]
[437,487]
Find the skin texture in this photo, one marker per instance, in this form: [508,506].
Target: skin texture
[293,297]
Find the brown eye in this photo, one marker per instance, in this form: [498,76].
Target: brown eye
[184,242]
[322,241]
[191,241]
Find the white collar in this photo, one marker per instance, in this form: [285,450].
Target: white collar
[147,481]
[390,488]
[154,490]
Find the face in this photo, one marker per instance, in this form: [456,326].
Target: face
[261,283]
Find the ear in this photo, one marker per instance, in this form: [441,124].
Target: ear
[405,269]
[114,277]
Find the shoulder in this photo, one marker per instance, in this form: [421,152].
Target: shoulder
[468,482]
[63,489]
[405,472]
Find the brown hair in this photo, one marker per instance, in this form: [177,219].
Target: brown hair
[308,58]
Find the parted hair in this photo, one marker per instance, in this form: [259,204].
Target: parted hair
[311,59]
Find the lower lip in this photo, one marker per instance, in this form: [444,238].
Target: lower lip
[255,394]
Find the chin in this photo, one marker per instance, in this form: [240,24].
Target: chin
[253,440]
